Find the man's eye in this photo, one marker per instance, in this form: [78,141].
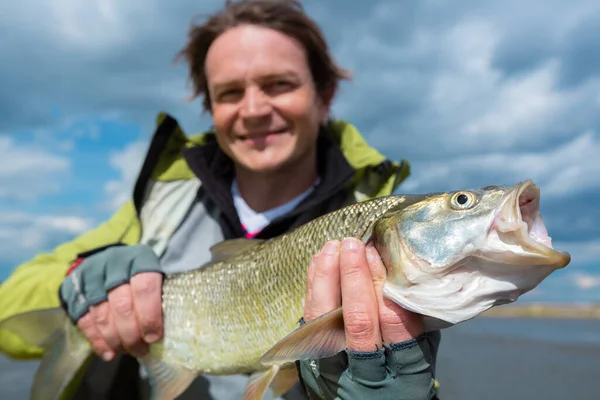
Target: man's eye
[276,87]
[230,94]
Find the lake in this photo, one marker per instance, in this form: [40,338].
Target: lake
[486,358]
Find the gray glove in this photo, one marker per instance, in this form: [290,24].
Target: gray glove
[401,371]
[89,283]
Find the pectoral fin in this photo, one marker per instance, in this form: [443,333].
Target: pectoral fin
[259,383]
[36,328]
[66,351]
[284,380]
[320,338]
[167,381]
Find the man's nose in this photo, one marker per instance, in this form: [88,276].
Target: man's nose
[255,104]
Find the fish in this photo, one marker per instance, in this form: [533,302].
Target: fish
[449,256]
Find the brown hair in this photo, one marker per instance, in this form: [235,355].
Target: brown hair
[285,16]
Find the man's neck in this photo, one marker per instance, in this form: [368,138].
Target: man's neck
[265,191]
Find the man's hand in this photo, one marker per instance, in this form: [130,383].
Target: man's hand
[115,298]
[348,273]
[386,356]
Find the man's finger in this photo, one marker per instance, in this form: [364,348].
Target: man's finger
[325,292]
[396,324]
[146,288]
[103,320]
[88,328]
[360,305]
[123,313]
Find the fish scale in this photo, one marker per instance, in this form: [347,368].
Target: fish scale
[222,318]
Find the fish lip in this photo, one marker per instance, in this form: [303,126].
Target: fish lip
[519,214]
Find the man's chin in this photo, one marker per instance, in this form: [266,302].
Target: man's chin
[266,165]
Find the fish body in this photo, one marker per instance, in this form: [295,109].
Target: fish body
[449,256]
[222,318]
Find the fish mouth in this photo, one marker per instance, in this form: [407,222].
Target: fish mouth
[518,233]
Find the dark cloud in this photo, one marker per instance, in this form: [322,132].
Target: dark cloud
[523,51]
[133,75]
[580,52]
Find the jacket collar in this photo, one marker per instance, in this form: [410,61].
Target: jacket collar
[215,169]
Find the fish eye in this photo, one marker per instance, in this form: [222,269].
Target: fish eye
[462,200]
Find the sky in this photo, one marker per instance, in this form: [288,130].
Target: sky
[471,93]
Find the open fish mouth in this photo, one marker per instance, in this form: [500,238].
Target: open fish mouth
[518,233]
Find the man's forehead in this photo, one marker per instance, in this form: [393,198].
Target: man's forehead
[254,53]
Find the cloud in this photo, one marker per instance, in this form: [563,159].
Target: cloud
[580,52]
[99,59]
[584,252]
[471,93]
[586,281]
[580,280]
[565,170]
[28,171]
[128,162]
[460,103]
[24,234]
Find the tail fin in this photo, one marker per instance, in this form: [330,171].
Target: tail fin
[66,351]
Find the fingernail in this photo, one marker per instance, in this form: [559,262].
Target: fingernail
[107,356]
[350,244]
[151,337]
[372,255]
[331,247]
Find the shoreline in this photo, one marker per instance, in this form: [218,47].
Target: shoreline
[545,310]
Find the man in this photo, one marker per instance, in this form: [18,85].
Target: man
[273,161]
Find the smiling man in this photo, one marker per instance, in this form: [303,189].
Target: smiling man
[273,161]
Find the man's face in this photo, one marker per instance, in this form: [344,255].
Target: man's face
[265,108]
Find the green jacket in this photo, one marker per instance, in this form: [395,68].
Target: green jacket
[35,284]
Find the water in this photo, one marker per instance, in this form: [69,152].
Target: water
[547,330]
[486,358]
[510,358]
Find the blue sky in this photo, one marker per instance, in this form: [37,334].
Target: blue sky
[473,93]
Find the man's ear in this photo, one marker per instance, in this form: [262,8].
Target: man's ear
[325,99]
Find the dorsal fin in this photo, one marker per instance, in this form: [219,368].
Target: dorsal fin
[231,248]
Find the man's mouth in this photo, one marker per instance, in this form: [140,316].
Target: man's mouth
[262,134]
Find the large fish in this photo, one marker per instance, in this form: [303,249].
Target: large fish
[449,256]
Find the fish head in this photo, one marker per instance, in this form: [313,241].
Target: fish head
[451,256]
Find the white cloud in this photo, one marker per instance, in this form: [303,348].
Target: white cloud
[438,89]
[23,233]
[520,105]
[483,107]
[28,171]
[91,25]
[128,162]
[584,252]
[565,170]
[586,281]
[68,224]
